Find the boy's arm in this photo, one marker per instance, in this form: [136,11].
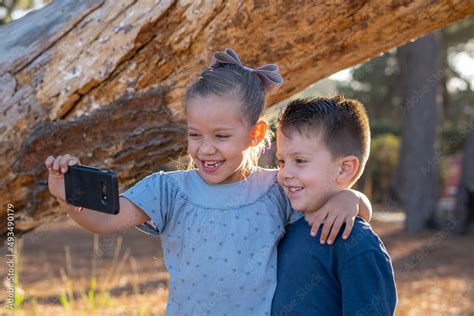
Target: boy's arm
[341,209]
[102,223]
[368,285]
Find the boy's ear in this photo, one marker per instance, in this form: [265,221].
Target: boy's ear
[258,133]
[348,168]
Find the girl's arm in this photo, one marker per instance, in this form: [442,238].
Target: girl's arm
[365,207]
[341,209]
[102,223]
[95,222]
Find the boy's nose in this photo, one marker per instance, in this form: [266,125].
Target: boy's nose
[285,173]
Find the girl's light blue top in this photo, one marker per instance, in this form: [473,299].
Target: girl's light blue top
[219,241]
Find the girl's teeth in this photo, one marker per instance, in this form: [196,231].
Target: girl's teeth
[212,164]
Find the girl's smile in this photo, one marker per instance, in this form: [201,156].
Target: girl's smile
[210,166]
[218,138]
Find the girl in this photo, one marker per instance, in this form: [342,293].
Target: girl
[220,222]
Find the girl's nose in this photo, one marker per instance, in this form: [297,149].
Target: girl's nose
[207,148]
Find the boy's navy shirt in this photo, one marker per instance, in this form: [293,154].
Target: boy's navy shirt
[349,277]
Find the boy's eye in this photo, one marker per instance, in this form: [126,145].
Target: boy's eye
[280,162]
[299,160]
[193,134]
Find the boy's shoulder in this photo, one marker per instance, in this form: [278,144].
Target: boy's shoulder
[361,240]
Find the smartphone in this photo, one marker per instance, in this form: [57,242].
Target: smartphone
[92,188]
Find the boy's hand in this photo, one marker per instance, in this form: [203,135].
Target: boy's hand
[341,208]
[57,168]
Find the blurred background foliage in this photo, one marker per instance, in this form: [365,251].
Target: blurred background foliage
[13,9]
[378,84]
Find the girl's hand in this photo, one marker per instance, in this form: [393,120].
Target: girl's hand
[341,208]
[57,168]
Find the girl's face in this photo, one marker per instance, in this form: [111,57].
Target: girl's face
[218,138]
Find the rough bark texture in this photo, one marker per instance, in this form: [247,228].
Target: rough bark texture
[103,80]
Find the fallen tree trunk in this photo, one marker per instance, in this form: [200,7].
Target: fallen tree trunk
[103,80]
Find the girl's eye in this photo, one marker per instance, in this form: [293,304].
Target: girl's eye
[222,136]
[280,162]
[193,134]
[300,161]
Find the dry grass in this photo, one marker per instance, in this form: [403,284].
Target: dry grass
[59,265]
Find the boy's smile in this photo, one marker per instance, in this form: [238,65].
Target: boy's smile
[307,170]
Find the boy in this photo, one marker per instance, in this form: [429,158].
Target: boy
[322,147]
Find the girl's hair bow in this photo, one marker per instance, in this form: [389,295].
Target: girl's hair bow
[268,74]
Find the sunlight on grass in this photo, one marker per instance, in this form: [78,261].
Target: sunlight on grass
[19,295]
[113,282]
[97,298]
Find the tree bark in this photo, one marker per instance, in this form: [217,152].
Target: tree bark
[419,164]
[103,80]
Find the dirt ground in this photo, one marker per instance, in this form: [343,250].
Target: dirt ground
[434,271]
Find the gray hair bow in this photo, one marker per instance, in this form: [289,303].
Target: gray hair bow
[268,74]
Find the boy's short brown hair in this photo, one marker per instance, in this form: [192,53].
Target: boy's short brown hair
[342,124]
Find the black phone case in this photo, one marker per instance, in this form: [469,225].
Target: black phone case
[92,188]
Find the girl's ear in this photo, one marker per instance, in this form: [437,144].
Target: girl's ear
[348,167]
[258,133]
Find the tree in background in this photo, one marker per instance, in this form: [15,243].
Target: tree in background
[375,83]
[458,110]
[378,84]
[417,171]
[457,97]
[464,211]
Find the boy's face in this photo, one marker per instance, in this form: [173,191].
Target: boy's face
[307,170]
